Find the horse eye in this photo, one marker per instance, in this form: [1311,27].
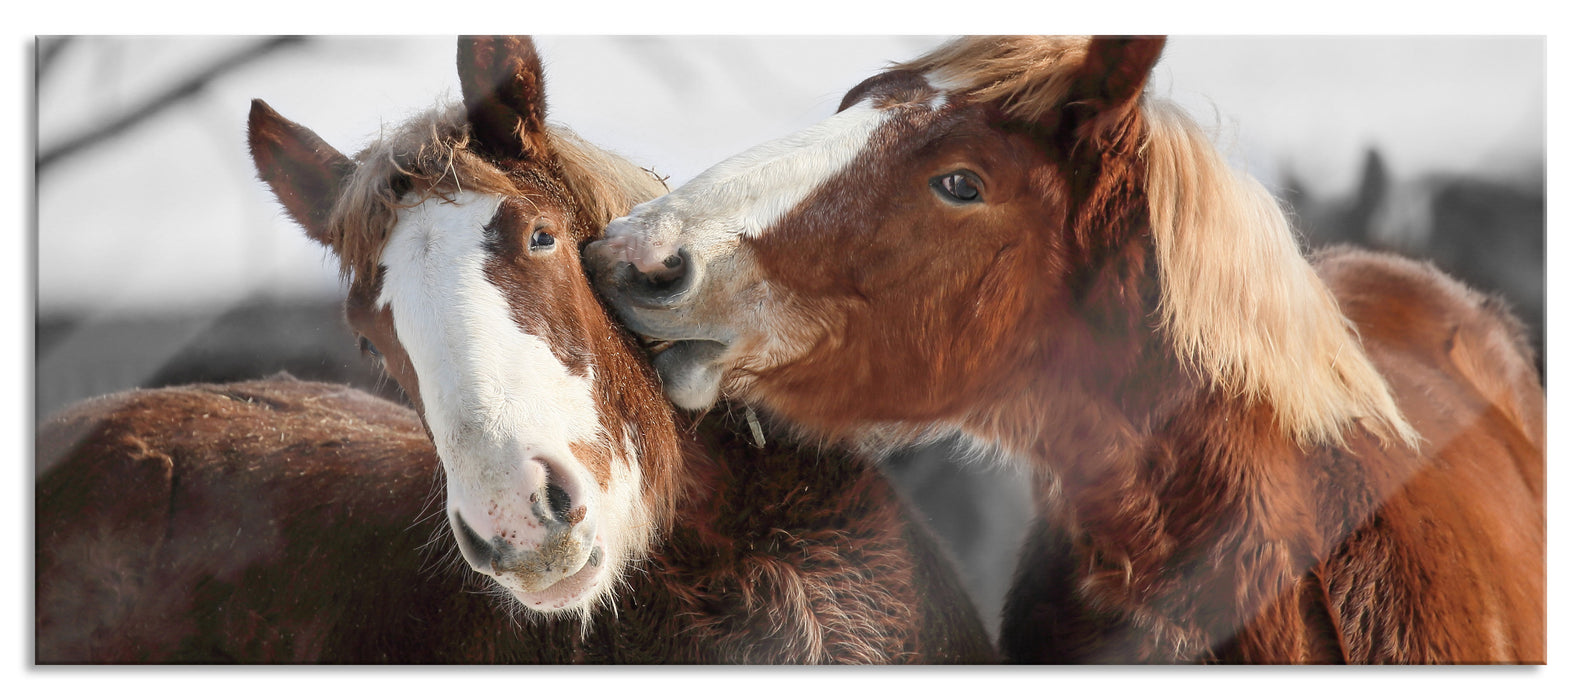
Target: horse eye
[960,186]
[368,348]
[541,240]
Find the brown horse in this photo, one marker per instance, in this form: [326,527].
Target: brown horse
[280,521]
[1240,454]
[611,531]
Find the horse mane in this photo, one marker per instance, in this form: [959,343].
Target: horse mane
[430,153]
[1242,304]
[1239,301]
[604,185]
[1028,76]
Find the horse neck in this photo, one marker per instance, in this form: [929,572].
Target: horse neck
[1136,456]
[1179,504]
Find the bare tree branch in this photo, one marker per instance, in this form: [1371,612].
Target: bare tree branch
[49,54]
[160,102]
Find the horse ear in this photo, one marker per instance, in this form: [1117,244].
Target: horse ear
[1117,68]
[1111,79]
[305,173]
[502,84]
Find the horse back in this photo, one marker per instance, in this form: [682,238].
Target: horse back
[273,521]
[1411,316]
[280,521]
[1440,555]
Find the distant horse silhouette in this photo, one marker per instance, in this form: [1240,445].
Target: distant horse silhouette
[1485,230]
[1239,454]
[612,533]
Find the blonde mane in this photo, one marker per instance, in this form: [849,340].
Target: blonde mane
[1242,304]
[1027,76]
[429,154]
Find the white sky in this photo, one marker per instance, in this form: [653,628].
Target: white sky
[176,220]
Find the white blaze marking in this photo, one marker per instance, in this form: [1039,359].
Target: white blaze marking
[758,187]
[941,92]
[945,85]
[748,193]
[493,395]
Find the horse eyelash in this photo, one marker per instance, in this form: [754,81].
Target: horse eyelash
[368,348]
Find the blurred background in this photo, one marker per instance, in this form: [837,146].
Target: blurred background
[161,259]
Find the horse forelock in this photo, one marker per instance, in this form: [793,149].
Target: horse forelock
[604,185]
[1240,302]
[1027,77]
[430,153]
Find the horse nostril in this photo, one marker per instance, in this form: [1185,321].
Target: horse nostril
[559,502]
[476,550]
[667,279]
[674,269]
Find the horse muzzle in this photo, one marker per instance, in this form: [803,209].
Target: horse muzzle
[536,537]
[657,277]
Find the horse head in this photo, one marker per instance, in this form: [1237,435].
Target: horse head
[459,235]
